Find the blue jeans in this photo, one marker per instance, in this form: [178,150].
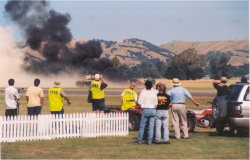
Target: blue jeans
[148,114]
[161,120]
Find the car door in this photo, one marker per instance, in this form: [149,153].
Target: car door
[245,104]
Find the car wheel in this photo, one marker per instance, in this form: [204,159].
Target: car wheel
[191,124]
[220,128]
[134,122]
[241,132]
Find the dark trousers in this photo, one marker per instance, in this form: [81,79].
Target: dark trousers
[57,112]
[34,111]
[11,112]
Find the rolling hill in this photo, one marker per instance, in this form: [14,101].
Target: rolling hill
[134,51]
[239,49]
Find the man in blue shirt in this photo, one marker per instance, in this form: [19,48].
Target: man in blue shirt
[178,109]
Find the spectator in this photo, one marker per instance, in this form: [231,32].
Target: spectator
[56,99]
[97,90]
[11,99]
[148,101]
[129,97]
[221,87]
[34,98]
[152,80]
[179,111]
[162,117]
[244,80]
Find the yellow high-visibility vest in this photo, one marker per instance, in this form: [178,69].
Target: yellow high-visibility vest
[128,99]
[56,101]
[95,88]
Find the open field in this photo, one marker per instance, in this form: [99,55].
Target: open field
[191,85]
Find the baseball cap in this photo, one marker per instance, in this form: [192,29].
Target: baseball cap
[97,76]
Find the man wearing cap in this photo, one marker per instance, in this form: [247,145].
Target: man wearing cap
[221,86]
[56,99]
[178,109]
[34,98]
[97,87]
[129,97]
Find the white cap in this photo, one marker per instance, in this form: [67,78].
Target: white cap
[97,76]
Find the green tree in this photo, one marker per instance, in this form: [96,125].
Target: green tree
[219,66]
[175,70]
[116,62]
[186,65]
[149,70]
[161,67]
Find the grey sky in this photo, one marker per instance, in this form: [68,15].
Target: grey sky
[157,22]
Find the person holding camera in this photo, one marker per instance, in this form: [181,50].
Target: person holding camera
[97,87]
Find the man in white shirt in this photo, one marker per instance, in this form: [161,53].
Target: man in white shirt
[34,98]
[148,101]
[11,99]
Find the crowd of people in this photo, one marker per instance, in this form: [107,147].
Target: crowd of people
[35,98]
[154,102]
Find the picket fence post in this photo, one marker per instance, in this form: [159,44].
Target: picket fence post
[29,128]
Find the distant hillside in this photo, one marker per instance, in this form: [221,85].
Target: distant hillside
[130,51]
[134,51]
[238,48]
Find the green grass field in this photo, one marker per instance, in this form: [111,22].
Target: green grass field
[204,144]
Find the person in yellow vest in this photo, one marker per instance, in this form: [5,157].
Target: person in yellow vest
[56,97]
[97,87]
[129,97]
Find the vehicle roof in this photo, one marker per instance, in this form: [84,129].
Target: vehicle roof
[240,84]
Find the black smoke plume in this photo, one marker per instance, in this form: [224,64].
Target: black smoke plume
[46,31]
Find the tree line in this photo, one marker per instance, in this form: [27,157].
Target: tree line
[186,66]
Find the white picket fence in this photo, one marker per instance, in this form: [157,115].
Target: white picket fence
[28,128]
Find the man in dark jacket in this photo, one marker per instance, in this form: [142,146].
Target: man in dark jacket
[221,86]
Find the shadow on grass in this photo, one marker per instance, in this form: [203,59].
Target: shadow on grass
[226,134]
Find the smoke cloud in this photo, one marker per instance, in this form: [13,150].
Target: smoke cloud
[11,61]
[46,31]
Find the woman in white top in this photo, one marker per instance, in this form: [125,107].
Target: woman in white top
[148,101]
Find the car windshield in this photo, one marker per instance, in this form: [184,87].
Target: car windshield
[246,97]
[235,92]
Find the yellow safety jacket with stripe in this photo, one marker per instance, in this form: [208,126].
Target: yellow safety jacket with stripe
[128,99]
[95,88]
[56,101]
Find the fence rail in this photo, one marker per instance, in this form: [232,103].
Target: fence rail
[27,128]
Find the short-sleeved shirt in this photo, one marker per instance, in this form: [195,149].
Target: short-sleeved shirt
[148,99]
[34,93]
[178,94]
[11,95]
[163,101]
